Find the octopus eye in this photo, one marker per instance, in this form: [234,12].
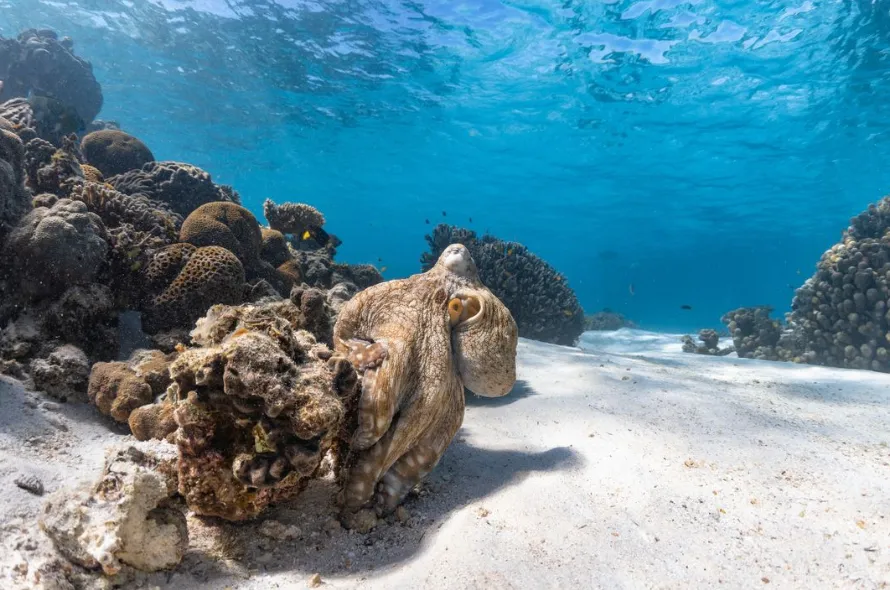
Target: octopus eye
[455,307]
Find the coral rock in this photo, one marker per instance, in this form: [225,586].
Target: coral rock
[125,518]
[274,249]
[114,152]
[15,201]
[53,248]
[64,374]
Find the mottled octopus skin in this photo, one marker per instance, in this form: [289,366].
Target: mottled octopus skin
[416,349]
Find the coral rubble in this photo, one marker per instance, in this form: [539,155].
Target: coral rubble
[127,518]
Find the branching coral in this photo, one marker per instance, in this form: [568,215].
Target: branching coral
[292,218]
[182,186]
[255,407]
[114,152]
[542,303]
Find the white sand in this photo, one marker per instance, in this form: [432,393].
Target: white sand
[600,470]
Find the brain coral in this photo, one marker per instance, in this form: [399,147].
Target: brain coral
[255,408]
[544,306]
[15,201]
[182,186]
[38,62]
[228,225]
[114,152]
[54,248]
[204,277]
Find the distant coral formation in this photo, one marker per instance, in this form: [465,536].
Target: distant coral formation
[709,344]
[607,320]
[539,297]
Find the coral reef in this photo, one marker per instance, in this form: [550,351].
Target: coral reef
[255,406]
[710,344]
[38,63]
[182,187]
[114,152]
[127,518]
[417,342]
[607,320]
[544,306]
[55,247]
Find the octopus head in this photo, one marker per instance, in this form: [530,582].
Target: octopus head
[457,259]
[483,338]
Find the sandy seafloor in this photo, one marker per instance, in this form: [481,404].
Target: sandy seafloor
[625,465]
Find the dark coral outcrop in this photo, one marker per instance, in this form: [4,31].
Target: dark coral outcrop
[38,63]
[55,247]
[181,186]
[542,303]
[15,202]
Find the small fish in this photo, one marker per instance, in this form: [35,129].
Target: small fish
[383,269]
[379,260]
[630,289]
[471,220]
[427,221]
[444,214]
[686,307]
[510,252]
[568,313]
[306,235]
[798,271]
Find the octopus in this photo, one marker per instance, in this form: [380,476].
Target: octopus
[417,343]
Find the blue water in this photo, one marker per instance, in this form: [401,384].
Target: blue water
[705,152]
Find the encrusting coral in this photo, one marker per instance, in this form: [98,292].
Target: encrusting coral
[182,187]
[539,297]
[114,152]
[117,388]
[417,343]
